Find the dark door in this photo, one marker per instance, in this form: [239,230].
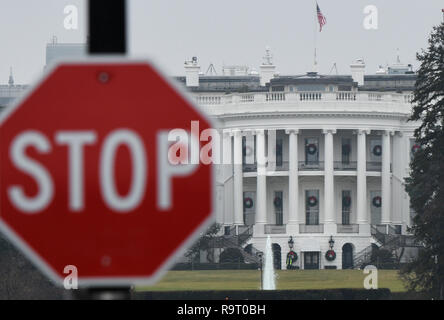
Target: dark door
[311,260]
[347,256]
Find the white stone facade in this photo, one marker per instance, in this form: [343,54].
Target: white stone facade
[371,125]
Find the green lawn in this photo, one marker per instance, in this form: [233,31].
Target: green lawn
[286,280]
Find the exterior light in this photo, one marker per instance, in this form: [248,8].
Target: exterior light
[291,243]
[331,242]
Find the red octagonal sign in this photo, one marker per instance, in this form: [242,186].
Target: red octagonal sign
[86,179]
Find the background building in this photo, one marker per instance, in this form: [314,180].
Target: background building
[318,158]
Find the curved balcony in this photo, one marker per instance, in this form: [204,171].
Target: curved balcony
[361,101]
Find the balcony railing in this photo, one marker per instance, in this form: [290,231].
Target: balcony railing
[311,165]
[374,166]
[348,228]
[278,166]
[247,167]
[301,97]
[275,229]
[345,166]
[314,166]
[311,228]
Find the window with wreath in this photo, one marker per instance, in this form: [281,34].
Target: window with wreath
[375,205]
[249,207]
[248,150]
[312,207]
[311,151]
[414,147]
[375,149]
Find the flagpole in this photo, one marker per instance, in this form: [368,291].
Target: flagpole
[315,63]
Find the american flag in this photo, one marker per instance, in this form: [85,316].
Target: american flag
[322,20]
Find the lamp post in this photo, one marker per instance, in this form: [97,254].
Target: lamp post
[260,255]
[291,243]
[331,242]
[290,258]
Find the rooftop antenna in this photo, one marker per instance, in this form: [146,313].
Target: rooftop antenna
[211,71]
[11,77]
[334,67]
[54,39]
[398,60]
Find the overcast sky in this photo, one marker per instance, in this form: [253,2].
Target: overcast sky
[228,32]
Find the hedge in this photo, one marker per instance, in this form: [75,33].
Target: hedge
[216,266]
[329,294]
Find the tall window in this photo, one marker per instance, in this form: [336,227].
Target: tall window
[248,149]
[311,151]
[346,150]
[249,207]
[312,207]
[346,206]
[279,152]
[375,150]
[376,201]
[248,153]
[278,205]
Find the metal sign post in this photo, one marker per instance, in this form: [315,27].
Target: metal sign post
[107,27]
[106,35]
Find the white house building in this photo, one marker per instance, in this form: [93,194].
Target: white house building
[315,158]
[312,157]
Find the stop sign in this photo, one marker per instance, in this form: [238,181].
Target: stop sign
[86,180]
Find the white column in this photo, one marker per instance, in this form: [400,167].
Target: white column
[261,193]
[227,170]
[293,186]
[226,154]
[271,138]
[238,179]
[385,178]
[361,192]
[329,201]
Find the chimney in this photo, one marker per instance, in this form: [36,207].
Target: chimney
[358,71]
[192,70]
[267,69]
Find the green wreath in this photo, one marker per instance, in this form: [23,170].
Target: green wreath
[312,201]
[248,203]
[377,201]
[291,258]
[330,255]
[377,150]
[311,148]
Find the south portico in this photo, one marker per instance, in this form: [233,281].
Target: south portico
[311,165]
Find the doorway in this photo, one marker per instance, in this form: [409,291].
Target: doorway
[347,256]
[277,256]
[311,260]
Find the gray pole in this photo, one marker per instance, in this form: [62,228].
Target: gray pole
[107,35]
